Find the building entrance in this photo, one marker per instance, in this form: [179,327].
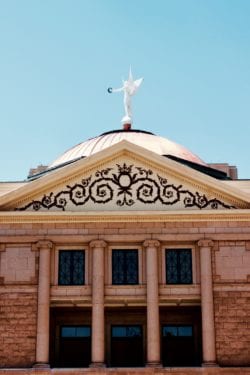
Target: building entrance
[125,337]
[75,346]
[181,336]
[178,347]
[70,340]
[126,346]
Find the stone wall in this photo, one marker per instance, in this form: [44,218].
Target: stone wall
[232,324]
[18,306]
[231,269]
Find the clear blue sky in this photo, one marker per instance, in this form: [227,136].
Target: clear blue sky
[58,57]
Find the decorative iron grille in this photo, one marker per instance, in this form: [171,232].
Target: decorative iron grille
[124,267]
[179,266]
[71,267]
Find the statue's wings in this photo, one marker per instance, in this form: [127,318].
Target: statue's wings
[135,85]
[138,83]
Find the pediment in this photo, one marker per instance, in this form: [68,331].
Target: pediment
[124,177]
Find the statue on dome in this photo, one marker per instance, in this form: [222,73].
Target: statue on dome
[129,88]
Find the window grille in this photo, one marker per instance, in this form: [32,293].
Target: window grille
[179,266]
[71,267]
[124,267]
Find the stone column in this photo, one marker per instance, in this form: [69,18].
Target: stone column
[207,303]
[43,304]
[153,320]
[97,348]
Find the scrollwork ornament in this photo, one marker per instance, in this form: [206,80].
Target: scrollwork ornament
[101,192]
[124,185]
[78,195]
[201,200]
[214,204]
[60,200]
[36,205]
[47,200]
[85,181]
[125,202]
[103,172]
[189,199]
[148,192]
[170,194]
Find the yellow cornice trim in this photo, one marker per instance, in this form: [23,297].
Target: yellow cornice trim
[136,216]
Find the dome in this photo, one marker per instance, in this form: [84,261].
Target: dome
[149,141]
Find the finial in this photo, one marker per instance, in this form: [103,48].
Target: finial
[129,88]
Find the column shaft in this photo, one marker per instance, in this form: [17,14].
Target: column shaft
[43,305]
[153,323]
[97,349]
[207,304]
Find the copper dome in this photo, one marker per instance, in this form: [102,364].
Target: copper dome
[147,140]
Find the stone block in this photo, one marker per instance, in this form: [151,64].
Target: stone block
[18,331]
[231,323]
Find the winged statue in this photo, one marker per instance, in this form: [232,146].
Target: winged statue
[129,88]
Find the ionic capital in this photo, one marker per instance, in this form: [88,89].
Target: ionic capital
[151,243]
[42,245]
[98,244]
[206,243]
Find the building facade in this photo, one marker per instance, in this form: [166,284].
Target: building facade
[127,251]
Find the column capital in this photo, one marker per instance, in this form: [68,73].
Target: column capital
[151,243]
[42,244]
[98,243]
[206,243]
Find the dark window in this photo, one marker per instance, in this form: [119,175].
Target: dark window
[177,331]
[124,267]
[71,267]
[126,331]
[75,331]
[179,266]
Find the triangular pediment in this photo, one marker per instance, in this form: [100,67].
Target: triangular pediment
[124,177]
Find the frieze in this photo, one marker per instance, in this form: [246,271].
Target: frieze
[124,185]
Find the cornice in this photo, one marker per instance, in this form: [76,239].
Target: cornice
[128,216]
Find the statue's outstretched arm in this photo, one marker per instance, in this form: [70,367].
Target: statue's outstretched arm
[117,90]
